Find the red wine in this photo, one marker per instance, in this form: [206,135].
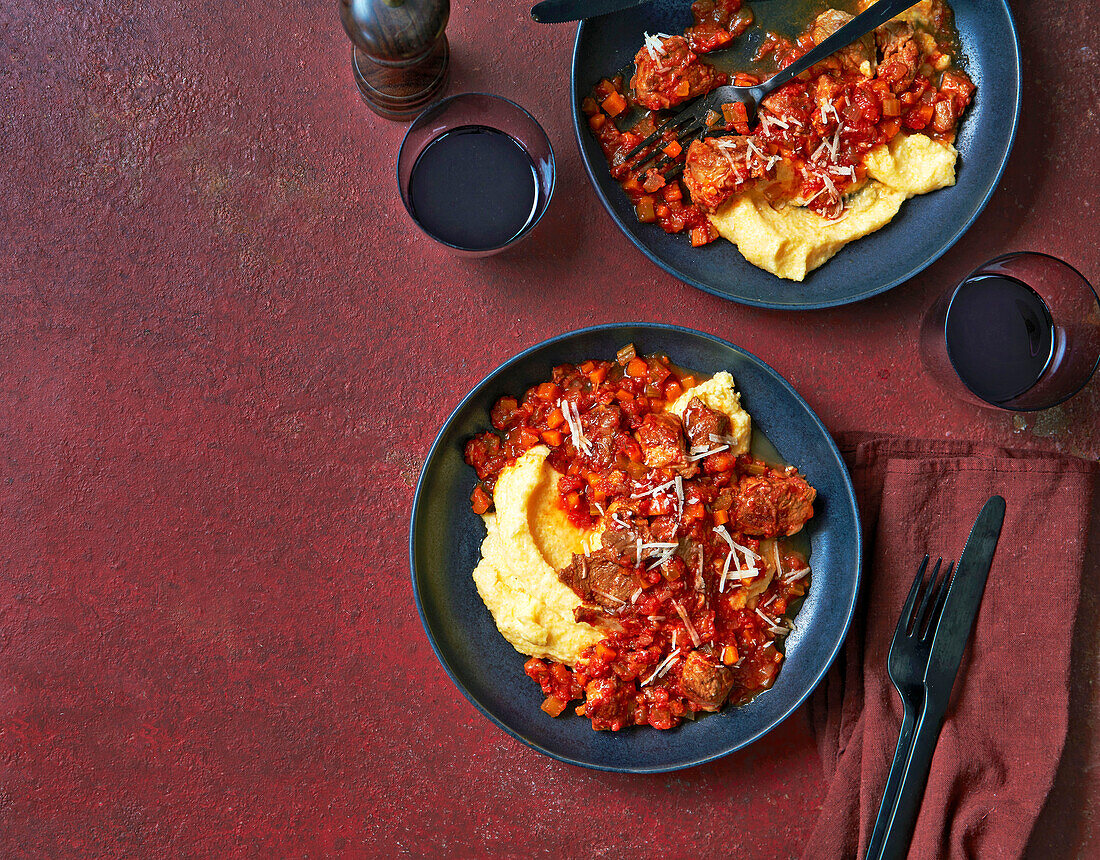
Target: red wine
[999,336]
[474,187]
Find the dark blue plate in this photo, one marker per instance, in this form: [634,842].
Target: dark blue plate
[921,232]
[445,539]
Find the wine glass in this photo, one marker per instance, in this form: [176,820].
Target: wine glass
[1021,332]
[476,173]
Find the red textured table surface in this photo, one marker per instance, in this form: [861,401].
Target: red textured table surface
[224,352]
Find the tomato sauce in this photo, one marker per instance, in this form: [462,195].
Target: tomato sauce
[694,580]
[811,135]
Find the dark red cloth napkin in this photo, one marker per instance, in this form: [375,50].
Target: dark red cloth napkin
[1006,725]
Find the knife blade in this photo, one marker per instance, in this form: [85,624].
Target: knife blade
[560,11]
[964,598]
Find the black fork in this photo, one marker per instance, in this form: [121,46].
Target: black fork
[692,119]
[907,664]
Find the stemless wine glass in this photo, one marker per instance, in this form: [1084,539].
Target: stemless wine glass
[476,173]
[1021,332]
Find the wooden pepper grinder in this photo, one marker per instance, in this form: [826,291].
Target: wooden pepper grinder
[400,54]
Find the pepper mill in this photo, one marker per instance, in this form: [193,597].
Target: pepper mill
[400,54]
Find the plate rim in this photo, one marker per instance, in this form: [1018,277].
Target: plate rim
[850,502]
[579,130]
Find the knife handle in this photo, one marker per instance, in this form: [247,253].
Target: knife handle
[889,804]
[898,831]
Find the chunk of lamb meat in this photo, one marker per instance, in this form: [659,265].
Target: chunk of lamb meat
[900,55]
[854,55]
[621,540]
[663,443]
[608,703]
[599,578]
[719,167]
[672,74]
[704,683]
[774,504]
[701,422]
[600,426]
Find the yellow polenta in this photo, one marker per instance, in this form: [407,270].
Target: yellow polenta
[528,538]
[791,241]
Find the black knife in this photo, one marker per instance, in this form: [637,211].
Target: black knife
[960,611]
[559,11]
[963,600]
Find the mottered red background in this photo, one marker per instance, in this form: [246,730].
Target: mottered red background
[224,352]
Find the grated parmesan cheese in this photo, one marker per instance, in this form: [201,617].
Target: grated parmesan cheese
[695,640]
[654,46]
[664,664]
[609,596]
[706,453]
[658,489]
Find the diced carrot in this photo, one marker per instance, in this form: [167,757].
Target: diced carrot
[721,518]
[672,391]
[547,391]
[553,705]
[528,437]
[918,117]
[720,462]
[729,655]
[596,121]
[480,500]
[598,375]
[614,104]
[553,438]
[654,181]
[694,511]
[645,210]
[586,366]
[555,419]
[672,192]
[605,653]
[687,382]
[623,395]
[573,499]
[683,88]
[604,88]
[637,368]
[589,106]
[672,149]
[699,236]
[662,211]
[631,184]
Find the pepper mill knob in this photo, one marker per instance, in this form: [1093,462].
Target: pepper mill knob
[400,54]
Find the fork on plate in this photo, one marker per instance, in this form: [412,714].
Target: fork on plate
[692,119]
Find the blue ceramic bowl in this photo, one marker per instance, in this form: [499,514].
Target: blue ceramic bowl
[445,539]
[924,229]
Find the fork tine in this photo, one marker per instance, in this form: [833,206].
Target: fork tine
[682,136]
[926,600]
[910,601]
[941,599]
[669,124]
